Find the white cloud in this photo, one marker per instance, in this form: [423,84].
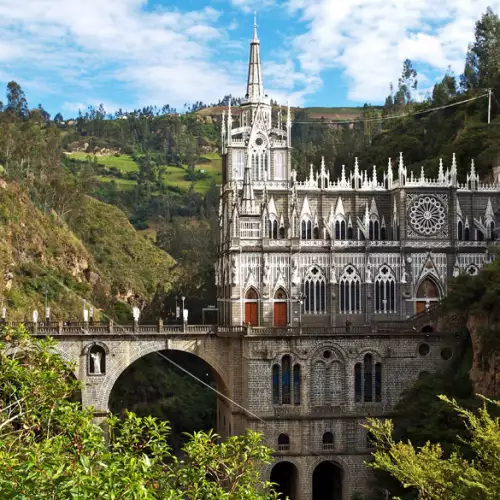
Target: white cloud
[369,39]
[167,56]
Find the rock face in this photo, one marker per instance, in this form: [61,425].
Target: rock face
[485,371]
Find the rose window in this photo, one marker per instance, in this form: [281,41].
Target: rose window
[427,215]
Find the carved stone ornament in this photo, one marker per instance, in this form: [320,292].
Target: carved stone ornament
[427,215]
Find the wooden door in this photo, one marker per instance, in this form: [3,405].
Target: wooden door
[280,314]
[251,313]
[420,306]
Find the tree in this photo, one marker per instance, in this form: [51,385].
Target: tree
[482,64]
[58,118]
[50,447]
[435,477]
[406,84]
[16,100]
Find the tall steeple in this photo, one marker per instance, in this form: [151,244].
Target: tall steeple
[255,86]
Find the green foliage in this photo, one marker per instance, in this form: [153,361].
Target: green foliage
[153,386]
[432,474]
[50,448]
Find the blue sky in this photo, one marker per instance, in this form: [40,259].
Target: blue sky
[69,54]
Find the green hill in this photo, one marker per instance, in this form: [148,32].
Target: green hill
[97,256]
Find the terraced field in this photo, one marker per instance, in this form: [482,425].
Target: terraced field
[207,170]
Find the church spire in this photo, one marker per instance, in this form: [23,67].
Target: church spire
[255,87]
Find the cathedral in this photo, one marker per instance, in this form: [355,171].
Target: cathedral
[307,265]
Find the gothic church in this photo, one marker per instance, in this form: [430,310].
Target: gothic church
[308,265]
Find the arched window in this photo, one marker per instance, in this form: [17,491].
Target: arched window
[368,378]
[385,291]
[315,292]
[349,233]
[327,441]
[316,233]
[492,231]
[340,227]
[283,442]
[306,229]
[276,384]
[383,234]
[378,382]
[350,292]
[296,385]
[373,230]
[97,360]
[479,235]
[282,232]
[357,382]
[285,380]
[272,228]
[466,234]
[460,230]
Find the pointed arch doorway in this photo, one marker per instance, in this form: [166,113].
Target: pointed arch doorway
[252,307]
[427,292]
[280,308]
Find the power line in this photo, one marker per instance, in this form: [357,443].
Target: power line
[380,118]
[187,372]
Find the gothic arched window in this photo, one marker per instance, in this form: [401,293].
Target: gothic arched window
[285,380]
[272,228]
[460,230]
[315,292]
[276,384]
[357,382]
[316,233]
[368,378]
[296,384]
[479,235]
[383,233]
[349,233]
[492,231]
[378,382]
[306,229]
[327,441]
[350,291]
[466,234]
[385,291]
[340,231]
[373,230]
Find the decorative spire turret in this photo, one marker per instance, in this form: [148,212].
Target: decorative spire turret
[255,85]
[248,199]
[453,171]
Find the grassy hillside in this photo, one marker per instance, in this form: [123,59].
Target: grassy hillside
[104,262]
[123,169]
[131,264]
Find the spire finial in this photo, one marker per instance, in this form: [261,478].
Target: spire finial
[255,26]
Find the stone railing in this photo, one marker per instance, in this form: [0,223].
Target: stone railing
[396,327]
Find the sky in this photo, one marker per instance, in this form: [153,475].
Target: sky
[71,54]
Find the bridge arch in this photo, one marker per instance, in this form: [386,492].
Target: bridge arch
[97,390]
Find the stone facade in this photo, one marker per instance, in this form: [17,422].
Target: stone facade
[317,267]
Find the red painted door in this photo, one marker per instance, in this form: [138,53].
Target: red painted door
[280,314]
[251,313]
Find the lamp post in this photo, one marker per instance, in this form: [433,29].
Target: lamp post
[47,309]
[182,314]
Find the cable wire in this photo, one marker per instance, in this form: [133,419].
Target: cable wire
[393,117]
